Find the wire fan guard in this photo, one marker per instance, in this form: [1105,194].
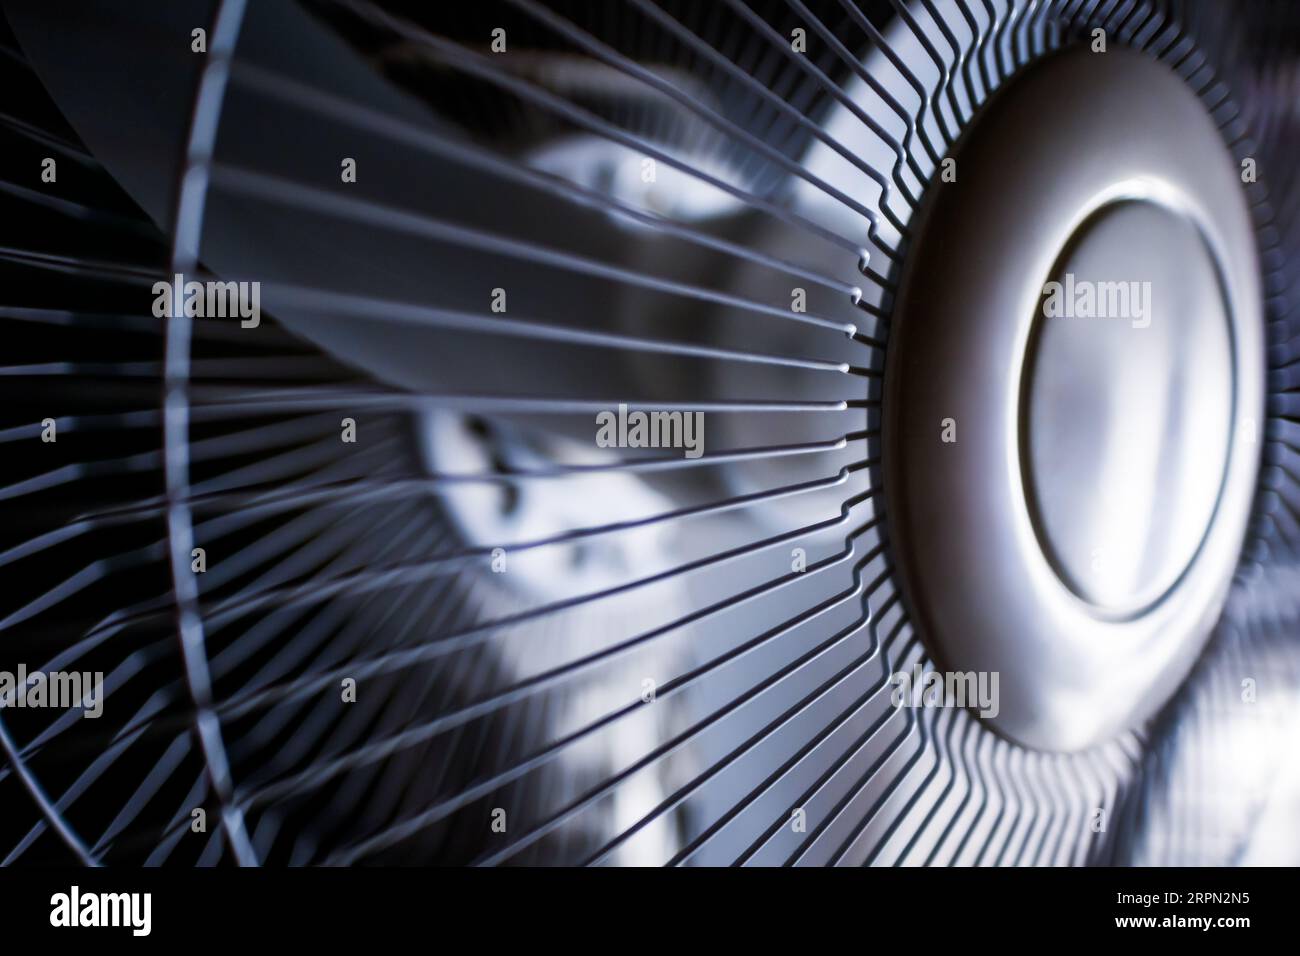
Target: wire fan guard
[561,653]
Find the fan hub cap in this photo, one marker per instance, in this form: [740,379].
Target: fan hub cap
[1079,535]
[1126,407]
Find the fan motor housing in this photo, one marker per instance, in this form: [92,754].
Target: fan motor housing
[1073,393]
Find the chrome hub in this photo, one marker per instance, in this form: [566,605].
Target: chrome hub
[1073,393]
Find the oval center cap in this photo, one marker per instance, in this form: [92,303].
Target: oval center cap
[1127,405]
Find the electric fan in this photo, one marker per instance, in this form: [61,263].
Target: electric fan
[314,314]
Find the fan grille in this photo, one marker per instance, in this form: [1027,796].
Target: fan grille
[524,692]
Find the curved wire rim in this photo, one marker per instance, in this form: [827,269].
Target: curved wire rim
[191,197]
